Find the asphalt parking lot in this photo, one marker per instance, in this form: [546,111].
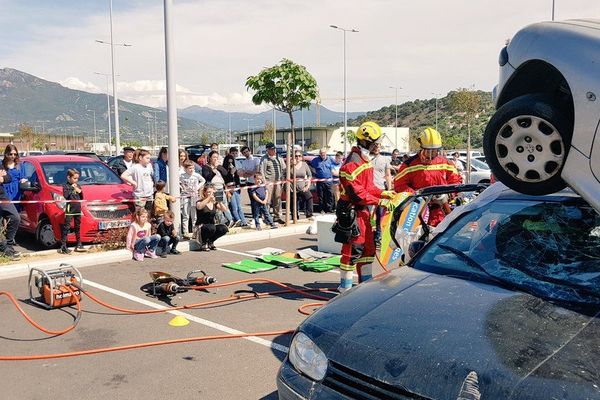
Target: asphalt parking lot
[243,368]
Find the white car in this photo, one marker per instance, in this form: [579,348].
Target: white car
[544,134]
[480,172]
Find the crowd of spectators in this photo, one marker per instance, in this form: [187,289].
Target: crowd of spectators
[211,190]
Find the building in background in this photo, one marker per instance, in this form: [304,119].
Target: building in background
[329,137]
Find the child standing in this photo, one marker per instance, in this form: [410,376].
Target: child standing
[191,182]
[259,197]
[139,238]
[72,191]
[160,200]
[168,237]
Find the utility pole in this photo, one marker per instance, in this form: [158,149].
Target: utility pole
[108,113]
[396,119]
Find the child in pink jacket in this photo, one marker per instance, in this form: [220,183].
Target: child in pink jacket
[139,238]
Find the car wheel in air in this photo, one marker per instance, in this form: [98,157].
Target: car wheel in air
[526,144]
[45,234]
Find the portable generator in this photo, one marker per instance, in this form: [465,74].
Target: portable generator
[53,286]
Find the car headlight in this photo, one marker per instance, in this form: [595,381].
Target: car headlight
[307,357]
[60,200]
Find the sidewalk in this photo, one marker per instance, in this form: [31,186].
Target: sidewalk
[50,259]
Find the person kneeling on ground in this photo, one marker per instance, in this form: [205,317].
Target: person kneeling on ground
[168,237]
[207,231]
[139,238]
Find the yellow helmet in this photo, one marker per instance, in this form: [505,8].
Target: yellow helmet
[368,131]
[430,139]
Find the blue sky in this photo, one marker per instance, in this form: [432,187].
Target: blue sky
[430,46]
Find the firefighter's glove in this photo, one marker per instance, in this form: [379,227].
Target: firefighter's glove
[388,194]
[388,204]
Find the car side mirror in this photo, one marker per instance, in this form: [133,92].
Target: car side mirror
[415,247]
[28,187]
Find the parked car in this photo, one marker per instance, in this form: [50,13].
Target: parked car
[544,133]
[195,151]
[46,175]
[30,153]
[480,171]
[502,303]
[84,153]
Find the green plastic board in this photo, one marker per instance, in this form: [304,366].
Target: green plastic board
[279,259]
[250,266]
[316,266]
[335,260]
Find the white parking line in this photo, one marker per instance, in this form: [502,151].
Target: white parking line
[202,321]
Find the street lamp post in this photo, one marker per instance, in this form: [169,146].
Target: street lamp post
[552,10]
[114,81]
[249,140]
[94,111]
[345,113]
[396,118]
[108,113]
[437,95]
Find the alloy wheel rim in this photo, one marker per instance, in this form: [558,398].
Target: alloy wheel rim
[530,149]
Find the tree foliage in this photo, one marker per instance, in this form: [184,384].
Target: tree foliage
[286,86]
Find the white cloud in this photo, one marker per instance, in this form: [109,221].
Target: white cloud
[78,84]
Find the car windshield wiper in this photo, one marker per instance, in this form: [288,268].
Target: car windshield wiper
[474,264]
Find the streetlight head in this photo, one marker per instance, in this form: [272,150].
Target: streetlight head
[354,30]
[333,26]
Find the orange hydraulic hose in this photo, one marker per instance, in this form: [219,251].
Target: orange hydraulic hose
[141,345]
[313,305]
[274,282]
[195,305]
[38,326]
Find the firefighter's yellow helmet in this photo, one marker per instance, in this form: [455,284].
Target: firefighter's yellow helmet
[369,131]
[430,139]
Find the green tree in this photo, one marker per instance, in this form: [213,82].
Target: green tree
[468,103]
[38,142]
[27,135]
[350,136]
[268,133]
[287,87]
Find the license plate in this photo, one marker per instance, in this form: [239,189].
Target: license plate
[103,225]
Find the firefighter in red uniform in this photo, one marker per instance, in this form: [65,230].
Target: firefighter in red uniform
[427,168]
[357,193]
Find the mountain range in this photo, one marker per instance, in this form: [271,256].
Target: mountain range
[52,108]
[243,121]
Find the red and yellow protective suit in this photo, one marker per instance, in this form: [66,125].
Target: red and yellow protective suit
[357,188]
[414,175]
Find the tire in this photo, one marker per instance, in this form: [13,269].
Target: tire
[526,144]
[44,234]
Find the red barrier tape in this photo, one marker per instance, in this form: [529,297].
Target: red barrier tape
[133,200]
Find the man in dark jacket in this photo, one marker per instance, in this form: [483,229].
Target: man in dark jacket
[10,213]
[126,162]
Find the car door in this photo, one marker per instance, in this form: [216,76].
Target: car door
[30,211]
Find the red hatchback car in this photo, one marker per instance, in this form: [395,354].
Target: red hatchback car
[47,174]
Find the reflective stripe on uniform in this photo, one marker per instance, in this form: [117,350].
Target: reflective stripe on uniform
[352,176]
[429,167]
[365,260]
[347,267]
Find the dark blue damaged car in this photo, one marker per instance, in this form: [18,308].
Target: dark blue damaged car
[503,303]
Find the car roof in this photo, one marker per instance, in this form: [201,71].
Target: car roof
[60,158]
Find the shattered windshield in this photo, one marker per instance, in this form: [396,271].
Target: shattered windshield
[550,249]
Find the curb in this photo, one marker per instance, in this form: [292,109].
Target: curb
[85,260]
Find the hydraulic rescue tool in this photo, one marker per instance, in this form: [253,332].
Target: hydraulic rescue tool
[57,287]
[164,283]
